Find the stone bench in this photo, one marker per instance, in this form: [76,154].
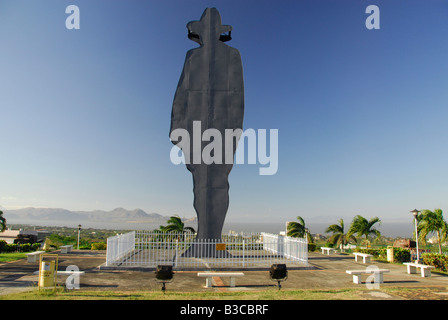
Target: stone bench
[328,250]
[210,275]
[365,257]
[33,256]
[425,269]
[357,274]
[66,249]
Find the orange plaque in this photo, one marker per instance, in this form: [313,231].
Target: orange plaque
[220,246]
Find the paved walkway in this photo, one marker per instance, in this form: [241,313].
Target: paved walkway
[324,272]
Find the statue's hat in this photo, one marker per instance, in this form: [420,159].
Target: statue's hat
[209,26]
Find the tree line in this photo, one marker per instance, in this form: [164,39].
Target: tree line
[428,222]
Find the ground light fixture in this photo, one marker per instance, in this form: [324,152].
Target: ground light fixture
[164,274]
[278,272]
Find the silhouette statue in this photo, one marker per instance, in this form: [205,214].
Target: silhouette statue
[211,91]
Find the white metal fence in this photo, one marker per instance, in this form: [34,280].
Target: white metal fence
[149,249]
[120,247]
[290,248]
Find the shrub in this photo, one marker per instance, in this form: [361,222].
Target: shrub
[400,254]
[373,252]
[11,247]
[312,247]
[99,246]
[3,246]
[25,247]
[14,247]
[439,261]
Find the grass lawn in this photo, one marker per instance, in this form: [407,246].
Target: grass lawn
[6,257]
[347,294]
[60,294]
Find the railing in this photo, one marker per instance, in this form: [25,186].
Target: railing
[149,249]
[119,248]
[288,247]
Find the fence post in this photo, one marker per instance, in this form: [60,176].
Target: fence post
[244,251]
[177,252]
[107,252]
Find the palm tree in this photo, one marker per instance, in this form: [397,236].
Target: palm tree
[432,221]
[176,225]
[339,237]
[298,230]
[2,222]
[362,227]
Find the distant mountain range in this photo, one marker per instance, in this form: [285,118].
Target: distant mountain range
[58,214]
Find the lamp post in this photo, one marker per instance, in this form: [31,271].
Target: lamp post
[79,231]
[415,213]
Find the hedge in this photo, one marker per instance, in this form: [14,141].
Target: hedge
[439,261]
[400,254]
[14,247]
[99,246]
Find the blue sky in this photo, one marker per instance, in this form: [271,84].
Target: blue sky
[361,114]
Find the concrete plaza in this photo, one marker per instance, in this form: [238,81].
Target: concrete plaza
[323,272]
